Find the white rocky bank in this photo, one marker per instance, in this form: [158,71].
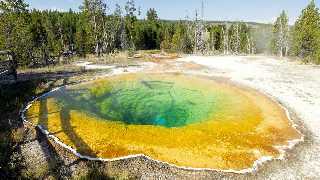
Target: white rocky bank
[294,85]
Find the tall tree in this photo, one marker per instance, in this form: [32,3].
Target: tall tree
[82,40]
[39,37]
[306,34]
[235,39]
[113,28]
[147,32]
[215,38]
[130,21]
[181,40]
[14,32]
[281,35]
[166,38]
[95,10]
[200,38]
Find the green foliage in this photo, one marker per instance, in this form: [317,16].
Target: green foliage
[180,40]
[39,34]
[167,32]
[306,34]
[152,15]
[176,39]
[95,11]
[14,33]
[147,35]
[82,40]
[215,38]
[13,6]
[130,22]
[42,34]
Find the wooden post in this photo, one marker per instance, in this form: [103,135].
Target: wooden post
[12,69]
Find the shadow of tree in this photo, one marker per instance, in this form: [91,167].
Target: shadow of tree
[13,96]
[43,113]
[96,172]
[68,129]
[53,160]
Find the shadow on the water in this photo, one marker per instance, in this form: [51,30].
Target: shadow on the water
[53,160]
[43,113]
[68,129]
[13,96]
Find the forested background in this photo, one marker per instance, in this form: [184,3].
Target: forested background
[35,35]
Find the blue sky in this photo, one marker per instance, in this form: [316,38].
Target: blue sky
[247,10]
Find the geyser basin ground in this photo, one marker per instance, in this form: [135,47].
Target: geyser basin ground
[183,120]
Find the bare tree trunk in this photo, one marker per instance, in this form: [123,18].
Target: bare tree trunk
[96,36]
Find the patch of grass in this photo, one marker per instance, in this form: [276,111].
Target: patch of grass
[17,135]
[113,58]
[4,143]
[98,172]
[155,51]
[12,98]
[51,69]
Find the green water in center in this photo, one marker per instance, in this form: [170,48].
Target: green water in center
[143,101]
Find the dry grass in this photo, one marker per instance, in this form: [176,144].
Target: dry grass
[113,58]
[123,58]
[52,69]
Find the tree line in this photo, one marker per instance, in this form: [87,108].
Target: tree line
[34,34]
[302,39]
[40,35]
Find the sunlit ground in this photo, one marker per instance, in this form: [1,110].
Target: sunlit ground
[183,120]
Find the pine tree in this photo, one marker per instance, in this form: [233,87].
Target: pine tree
[14,32]
[215,38]
[82,36]
[113,28]
[130,21]
[182,41]
[166,42]
[306,34]
[39,37]
[176,39]
[95,11]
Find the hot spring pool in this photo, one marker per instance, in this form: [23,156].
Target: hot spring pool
[184,120]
